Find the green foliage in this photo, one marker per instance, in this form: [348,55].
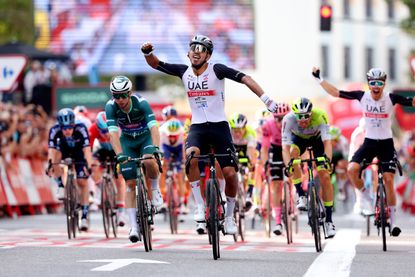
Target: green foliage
[16,21]
[408,24]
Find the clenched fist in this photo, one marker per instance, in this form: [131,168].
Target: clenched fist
[147,48]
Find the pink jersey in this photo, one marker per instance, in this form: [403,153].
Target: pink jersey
[271,133]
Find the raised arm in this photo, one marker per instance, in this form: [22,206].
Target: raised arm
[329,88]
[152,60]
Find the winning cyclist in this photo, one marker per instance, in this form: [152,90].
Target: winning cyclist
[377,107]
[172,144]
[307,126]
[103,152]
[244,140]
[271,144]
[204,83]
[70,140]
[139,137]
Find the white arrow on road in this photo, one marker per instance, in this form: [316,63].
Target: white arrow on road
[115,264]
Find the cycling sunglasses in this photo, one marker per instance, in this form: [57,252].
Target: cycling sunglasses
[69,127]
[120,95]
[198,48]
[302,116]
[376,83]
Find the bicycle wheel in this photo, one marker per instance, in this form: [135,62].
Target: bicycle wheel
[141,214]
[236,216]
[68,207]
[382,212]
[213,223]
[286,216]
[112,197]
[313,217]
[267,211]
[172,208]
[105,208]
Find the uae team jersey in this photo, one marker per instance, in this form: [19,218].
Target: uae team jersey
[205,92]
[377,114]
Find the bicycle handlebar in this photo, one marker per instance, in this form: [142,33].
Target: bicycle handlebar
[156,156]
[207,157]
[365,164]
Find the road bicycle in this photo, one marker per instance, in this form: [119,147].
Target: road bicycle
[215,204]
[108,200]
[382,210]
[144,207]
[316,212]
[172,196]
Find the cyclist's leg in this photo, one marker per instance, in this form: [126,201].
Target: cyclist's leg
[296,149]
[325,181]
[276,187]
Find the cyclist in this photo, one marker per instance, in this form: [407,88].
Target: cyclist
[103,152]
[340,146]
[204,84]
[244,141]
[169,112]
[70,140]
[377,107]
[82,115]
[139,137]
[271,143]
[172,144]
[307,126]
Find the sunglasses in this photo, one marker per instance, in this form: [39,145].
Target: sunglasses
[303,116]
[121,95]
[376,83]
[198,48]
[64,128]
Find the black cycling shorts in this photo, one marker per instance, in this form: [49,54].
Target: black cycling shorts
[216,135]
[383,149]
[78,158]
[276,170]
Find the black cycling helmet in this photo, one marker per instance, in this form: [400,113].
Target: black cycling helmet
[66,117]
[376,74]
[202,40]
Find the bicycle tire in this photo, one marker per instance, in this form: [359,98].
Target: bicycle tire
[268,212]
[236,216]
[287,212]
[113,202]
[213,218]
[105,208]
[382,214]
[313,215]
[141,214]
[68,212]
[172,208]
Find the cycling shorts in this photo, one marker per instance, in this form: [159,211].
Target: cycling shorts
[383,149]
[216,135]
[173,151]
[276,171]
[80,163]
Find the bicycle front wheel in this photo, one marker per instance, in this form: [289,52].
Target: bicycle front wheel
[287,207]
[142,214]
[172,208]
[313,217]
[382,213]
[213,222]
[105,208]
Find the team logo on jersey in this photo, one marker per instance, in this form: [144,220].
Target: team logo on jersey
[199,93]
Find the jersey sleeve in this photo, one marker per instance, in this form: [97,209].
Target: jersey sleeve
[148,113]
[287,123]
[172,69]
[351,95]
[399,99]
[324,127]
[222,71]
[110,114]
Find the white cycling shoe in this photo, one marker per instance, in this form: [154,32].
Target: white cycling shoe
[201,228]
[330,229]
[133,235]
[230,226]
[199,215]
[84,224]
[302,203]
[121,219]
[395,231]
[157,199]
[277,230]
[60,193]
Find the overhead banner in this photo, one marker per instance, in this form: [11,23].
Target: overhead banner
[90,97]
[11,66]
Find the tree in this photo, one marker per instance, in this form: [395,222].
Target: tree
[16,21]
[408,24]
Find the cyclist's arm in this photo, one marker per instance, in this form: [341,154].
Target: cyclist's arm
[286,156]
[286,138]
[325,135]
[88,155]
[86,146]
[330,89]
[328,148]
[155,135]
[113,127]
[151,122]
[404,101]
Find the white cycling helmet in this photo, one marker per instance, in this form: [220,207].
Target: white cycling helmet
[120,84]
[376,74]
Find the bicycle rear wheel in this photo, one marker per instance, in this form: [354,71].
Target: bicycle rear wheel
[172,208]
[142,214]
[268,212]
[382,213]
[213,223]
[313,217]
[287,212]
[70,207]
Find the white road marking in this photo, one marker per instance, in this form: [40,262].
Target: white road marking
[337,256]
[115,264]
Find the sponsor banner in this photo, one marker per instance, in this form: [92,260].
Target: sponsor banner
[42,182]
[11,198]
[16,182]
[28,181]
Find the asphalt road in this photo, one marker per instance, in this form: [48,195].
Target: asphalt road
[38,246]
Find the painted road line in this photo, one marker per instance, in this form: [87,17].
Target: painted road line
[337,256]
[114,264]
